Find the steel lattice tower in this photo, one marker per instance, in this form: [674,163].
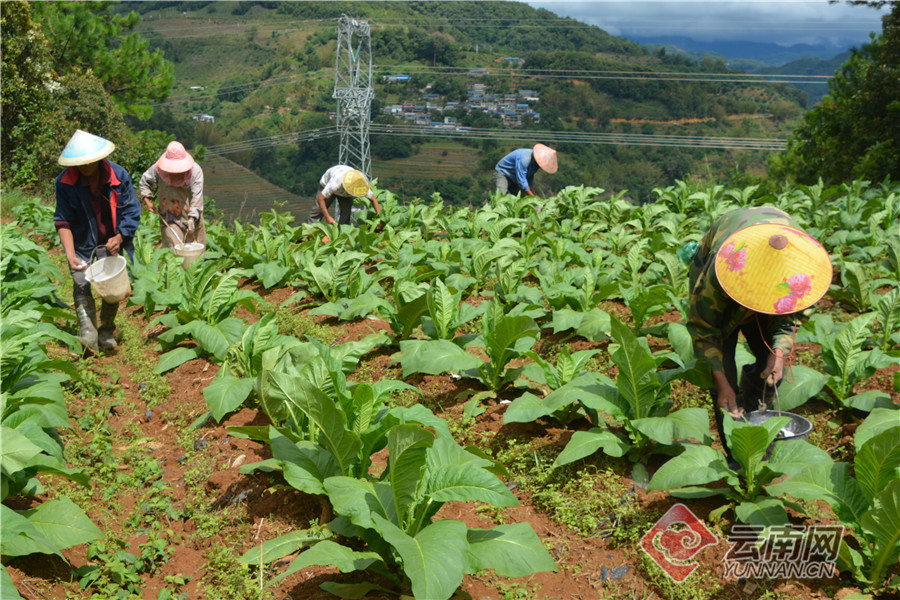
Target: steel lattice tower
[353,91]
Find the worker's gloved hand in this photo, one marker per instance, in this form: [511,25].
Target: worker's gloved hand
[774,370]
[190,225]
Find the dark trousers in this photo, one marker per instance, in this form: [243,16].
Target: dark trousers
[750,392]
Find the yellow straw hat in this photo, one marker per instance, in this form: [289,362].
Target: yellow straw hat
[545,157]
[355,183]
[773,269]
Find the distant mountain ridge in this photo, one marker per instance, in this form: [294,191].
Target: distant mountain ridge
[769,53]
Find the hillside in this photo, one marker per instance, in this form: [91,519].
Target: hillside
[265,69]
[240,193]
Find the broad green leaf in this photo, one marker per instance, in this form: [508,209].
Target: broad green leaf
[883,524]
[175,358]
[789,457]
[510,550]
[20,537]
[697,465]
[435,356]
[806,384]
[212,339]
[322,412]
[221,297]
[879,420]
[680,340]
[63,523]
[848,352]
[765,511]
[510,337]
[464,483]
[529,407]
[409,315]
[446,452]
[16,451]
[282,546]
[328,553]
[359,500]
[595,325]
[748,446]
[829,482]
[226,393]
[888,313]
[868,401]
[304,465]
[354,591]
[7,587]
[637,380]
[407,448]
[435,560]
[585,443]
[877,462]
[687,423]
[442,306]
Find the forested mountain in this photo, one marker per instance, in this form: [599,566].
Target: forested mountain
[266,69]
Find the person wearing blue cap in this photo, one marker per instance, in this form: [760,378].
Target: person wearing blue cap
[97,215]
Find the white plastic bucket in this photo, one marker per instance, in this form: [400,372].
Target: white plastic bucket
[190,252]
[110,278]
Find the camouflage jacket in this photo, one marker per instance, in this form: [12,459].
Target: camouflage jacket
[713,315]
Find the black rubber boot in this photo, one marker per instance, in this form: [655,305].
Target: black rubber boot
[86,312]
[106,334]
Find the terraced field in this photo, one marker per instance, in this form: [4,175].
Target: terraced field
[241,194]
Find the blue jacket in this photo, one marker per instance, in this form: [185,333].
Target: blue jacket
[73,205]
[519,166]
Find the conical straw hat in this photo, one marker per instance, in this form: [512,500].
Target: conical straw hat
[545,157]
[84,148]
[773,269]
[355,183]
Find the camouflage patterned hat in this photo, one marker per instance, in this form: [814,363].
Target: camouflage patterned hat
[773,269]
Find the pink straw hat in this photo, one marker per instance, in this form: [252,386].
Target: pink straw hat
[175,159]
[545,157]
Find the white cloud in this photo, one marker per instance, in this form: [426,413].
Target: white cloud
[784,22]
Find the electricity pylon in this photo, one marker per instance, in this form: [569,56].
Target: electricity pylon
[353,91]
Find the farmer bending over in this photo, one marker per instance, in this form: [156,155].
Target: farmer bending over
[344,184]
[178,183]
[754,271]
[514,172]
[96,213]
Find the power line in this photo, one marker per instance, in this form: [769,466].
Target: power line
[558,137]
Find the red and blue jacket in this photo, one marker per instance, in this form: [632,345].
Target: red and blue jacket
[73,207]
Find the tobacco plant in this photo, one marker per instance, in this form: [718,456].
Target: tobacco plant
[686,475]
[866,502]
[407,550]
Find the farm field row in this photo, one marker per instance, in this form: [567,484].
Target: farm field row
[498,402]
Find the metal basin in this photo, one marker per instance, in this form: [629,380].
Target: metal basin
[797,429]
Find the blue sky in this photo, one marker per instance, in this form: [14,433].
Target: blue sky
[786,22]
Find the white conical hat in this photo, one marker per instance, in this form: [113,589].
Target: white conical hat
[84,148]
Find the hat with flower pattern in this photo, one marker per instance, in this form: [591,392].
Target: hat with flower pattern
[773,269]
